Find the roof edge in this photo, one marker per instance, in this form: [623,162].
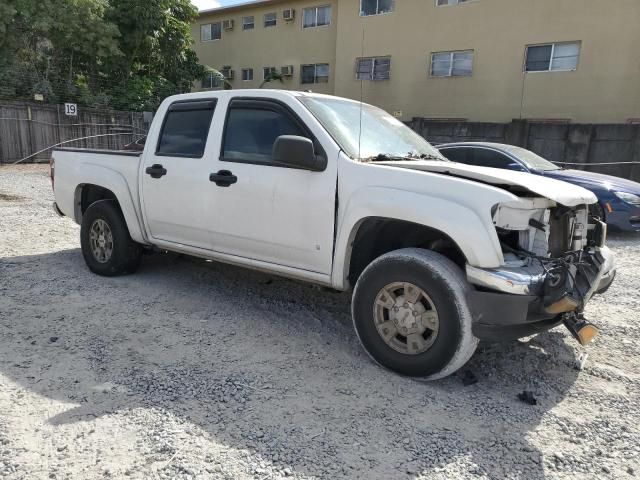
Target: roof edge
[239,6]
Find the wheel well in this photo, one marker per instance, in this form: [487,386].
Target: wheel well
[377,236]
[89,194]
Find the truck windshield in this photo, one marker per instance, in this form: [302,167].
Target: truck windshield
[381,138]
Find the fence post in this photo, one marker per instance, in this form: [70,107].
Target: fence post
[578,146]
[635,156]
[517,133]
[30,133]
[59,129]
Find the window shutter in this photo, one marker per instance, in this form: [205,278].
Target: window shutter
[322,73]
[381,69]
[205,32]
[309,17]
[565,56]
[364,69]
[538,58]
[440,64]
[462,63]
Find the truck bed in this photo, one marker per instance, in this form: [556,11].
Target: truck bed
[126,153]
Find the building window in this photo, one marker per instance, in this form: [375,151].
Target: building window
[442,3]
[270,19]
[376,7]
[268,72]
[452,64]
[373,68]
[210,31]
[210,80]
[316,16]
[315,73]
[552,57]
[247,74]
[247,23]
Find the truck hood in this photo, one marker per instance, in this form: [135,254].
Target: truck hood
[560,192]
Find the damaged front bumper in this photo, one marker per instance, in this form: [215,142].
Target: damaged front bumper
[514,302]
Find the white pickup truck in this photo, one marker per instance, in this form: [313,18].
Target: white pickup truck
[338,193]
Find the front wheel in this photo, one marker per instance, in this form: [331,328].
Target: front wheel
[106,244]
[410,312]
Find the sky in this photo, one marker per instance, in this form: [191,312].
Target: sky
[207,4]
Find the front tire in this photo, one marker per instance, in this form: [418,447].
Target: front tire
[411,314]
[107,247]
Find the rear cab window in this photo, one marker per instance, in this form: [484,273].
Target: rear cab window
[185,129]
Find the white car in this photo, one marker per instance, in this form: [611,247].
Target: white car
[338,193]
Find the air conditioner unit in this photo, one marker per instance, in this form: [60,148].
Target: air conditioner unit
[227,73]
[227,24]
[289,14]
[286,71]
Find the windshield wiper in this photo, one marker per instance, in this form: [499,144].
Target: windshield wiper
[385,157]
[427,156]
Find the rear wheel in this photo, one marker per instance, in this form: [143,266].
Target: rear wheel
[106,244]
[411,314]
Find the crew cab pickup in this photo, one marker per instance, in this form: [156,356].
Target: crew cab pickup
[339,193]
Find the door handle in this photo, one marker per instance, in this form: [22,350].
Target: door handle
[156,170]
[223,178]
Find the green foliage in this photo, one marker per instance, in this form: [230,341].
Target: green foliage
[272,77]
[219,76]
[125,54]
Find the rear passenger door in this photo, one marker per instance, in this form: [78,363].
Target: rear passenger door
[176,193]
[272,213]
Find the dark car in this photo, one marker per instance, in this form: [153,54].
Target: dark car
[618,198]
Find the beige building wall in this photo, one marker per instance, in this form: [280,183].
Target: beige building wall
[285,44]
[605,87]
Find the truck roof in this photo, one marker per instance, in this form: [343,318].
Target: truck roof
[252,92]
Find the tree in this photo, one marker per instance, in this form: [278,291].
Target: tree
[156,43]
[219,76]
[125,54]
[44,44]
[272,77]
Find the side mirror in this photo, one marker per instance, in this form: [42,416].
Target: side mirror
[297,152]
[516,166]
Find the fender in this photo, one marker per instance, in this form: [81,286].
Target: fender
[475,235]
[94,174]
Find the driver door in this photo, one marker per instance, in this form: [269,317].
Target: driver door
[272,213]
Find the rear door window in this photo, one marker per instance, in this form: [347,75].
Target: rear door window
[461,155]
[489,158]
[185,129]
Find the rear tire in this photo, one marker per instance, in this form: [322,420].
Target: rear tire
[107,247]
[411,314]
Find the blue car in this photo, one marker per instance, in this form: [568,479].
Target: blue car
[618,199]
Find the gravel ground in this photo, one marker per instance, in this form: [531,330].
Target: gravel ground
[192,369]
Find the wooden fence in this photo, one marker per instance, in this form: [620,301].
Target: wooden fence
[26,129]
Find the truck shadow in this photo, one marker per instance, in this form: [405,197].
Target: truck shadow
[264,365]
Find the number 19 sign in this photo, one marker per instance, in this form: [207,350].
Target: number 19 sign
[71,109]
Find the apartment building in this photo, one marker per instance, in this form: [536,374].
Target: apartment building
[479,60]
